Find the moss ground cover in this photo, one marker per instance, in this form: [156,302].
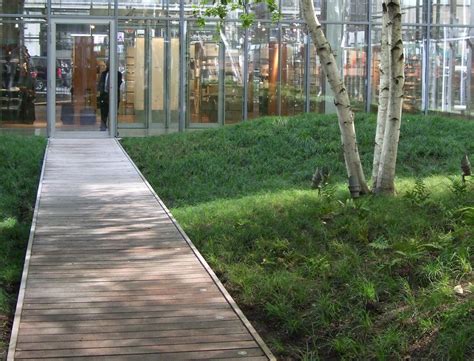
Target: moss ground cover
[323,276]
[20,167]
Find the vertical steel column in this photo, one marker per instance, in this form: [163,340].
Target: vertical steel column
[307,56]
[368,65]
[426,60]
[279,70]
[167,67]
[221,82]
[113,53]
[245,76]
[50,96]
[51,77]
[182,66]
[113,91]
[148,77]
[468,76]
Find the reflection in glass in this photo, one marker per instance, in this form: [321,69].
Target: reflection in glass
[355,64]
[82,7]
[31,7]
[452,12]
[292,71]
[82,53]
[263,71]
[341,10]
[132,60]
[413,44]
[158,73]
[151,8]
[203,71]
[234,75]
[451,70]
[22,74]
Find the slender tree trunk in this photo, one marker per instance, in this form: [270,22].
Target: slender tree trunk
[355,172]
[386,176]
[384,92]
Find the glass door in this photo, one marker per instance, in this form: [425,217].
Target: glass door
[80,86]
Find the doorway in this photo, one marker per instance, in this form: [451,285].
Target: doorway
[82,94]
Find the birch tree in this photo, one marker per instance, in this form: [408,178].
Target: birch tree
[385,181]
[384,93]
[390,98]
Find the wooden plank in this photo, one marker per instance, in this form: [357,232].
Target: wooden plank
[144,327]
[132,342]
[116,291]
[79,277]
[126,316]
[250,354]
[234,328]
[173,296]
[125,309]
[150,349]
[111,305]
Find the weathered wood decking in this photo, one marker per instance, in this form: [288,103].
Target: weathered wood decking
[110,275]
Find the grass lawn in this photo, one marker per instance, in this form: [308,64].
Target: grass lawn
[320,276]
[20,168]
[323,276]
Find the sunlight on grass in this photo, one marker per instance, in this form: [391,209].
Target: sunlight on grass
[325,276]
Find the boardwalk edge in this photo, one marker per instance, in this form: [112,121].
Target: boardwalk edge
[24,276]
[201,259]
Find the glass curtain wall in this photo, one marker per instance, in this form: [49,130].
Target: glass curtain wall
[23,73]
[269,69]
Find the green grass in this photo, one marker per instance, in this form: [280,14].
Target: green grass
[20,167]
[325,276]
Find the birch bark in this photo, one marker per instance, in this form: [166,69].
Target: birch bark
[341,98]
[384,92]
[386,175]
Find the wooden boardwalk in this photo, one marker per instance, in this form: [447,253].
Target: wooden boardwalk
[110,275]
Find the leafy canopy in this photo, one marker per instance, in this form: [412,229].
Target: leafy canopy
[221,8]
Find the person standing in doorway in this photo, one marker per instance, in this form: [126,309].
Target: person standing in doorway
[104,86]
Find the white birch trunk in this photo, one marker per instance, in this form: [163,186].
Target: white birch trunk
[341,99]
[384,92]
[386,175]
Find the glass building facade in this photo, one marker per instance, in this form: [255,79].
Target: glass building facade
[170,74]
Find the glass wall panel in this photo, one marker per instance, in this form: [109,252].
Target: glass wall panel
[133,52]
[203,72]
[173,77]
[414,11]
[341,10]
[350,47]
[151,8]
[413,45]
[413,38]
[23,52]
[453,12]
[451,70]
[355,64]
[317,83]
[82,7]
[165,75]
[159,50]
[292,70]
[264,59]
[234,75]
[31,7]
[82,88]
